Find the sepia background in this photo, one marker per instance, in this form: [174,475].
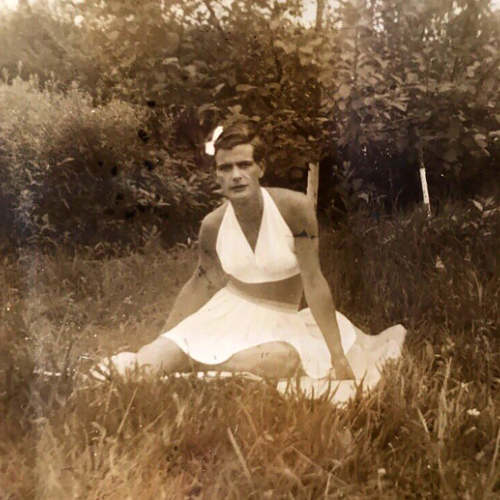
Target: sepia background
[105,109]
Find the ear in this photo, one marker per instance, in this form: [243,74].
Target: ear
[262,167]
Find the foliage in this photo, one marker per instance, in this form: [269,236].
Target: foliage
[429,430]
[457,267]
[381,81]
[410,78]
[79,172]
[39,39]
[372,91]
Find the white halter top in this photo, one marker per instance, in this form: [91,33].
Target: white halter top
[274,257]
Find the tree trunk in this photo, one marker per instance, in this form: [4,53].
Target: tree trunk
[313,183]
[320,7]
[313,173]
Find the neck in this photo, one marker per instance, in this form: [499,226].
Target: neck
[248,208]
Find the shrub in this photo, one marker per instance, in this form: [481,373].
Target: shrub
[419,271]
[77,172]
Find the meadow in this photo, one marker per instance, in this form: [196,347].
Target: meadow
[431,428]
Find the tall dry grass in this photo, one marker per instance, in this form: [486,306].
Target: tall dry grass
[430,429]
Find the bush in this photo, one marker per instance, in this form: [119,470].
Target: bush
[419,271]
[77,173]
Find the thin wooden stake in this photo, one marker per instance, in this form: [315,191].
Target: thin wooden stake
[423,182]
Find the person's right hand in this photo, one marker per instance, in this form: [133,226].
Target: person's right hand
[121,363]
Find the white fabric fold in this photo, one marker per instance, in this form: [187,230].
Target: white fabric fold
[273,259]
[232,322]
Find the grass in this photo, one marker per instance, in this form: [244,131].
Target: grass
[431,429]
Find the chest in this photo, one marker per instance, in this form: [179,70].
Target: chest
[256,249]
[251,231]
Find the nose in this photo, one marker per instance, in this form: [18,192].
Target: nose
[236,172]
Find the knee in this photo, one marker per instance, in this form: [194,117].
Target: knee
[292,358]
[285,358]
[274,360]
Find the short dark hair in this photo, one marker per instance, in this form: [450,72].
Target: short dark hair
[241,133]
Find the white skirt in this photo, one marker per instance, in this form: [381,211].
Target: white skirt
[232,321]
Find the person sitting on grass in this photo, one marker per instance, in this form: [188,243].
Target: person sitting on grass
[239,312]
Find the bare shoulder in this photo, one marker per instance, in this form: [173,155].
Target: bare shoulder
[296,208]
[210,227]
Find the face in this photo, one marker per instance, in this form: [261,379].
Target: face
[237,173]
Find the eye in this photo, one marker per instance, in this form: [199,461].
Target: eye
[245,164]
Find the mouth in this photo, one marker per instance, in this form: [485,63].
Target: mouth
[237,189]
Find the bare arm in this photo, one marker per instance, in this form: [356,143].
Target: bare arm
[316,288]
[207,279]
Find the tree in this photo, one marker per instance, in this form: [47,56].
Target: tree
[415,74]
[363,91]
